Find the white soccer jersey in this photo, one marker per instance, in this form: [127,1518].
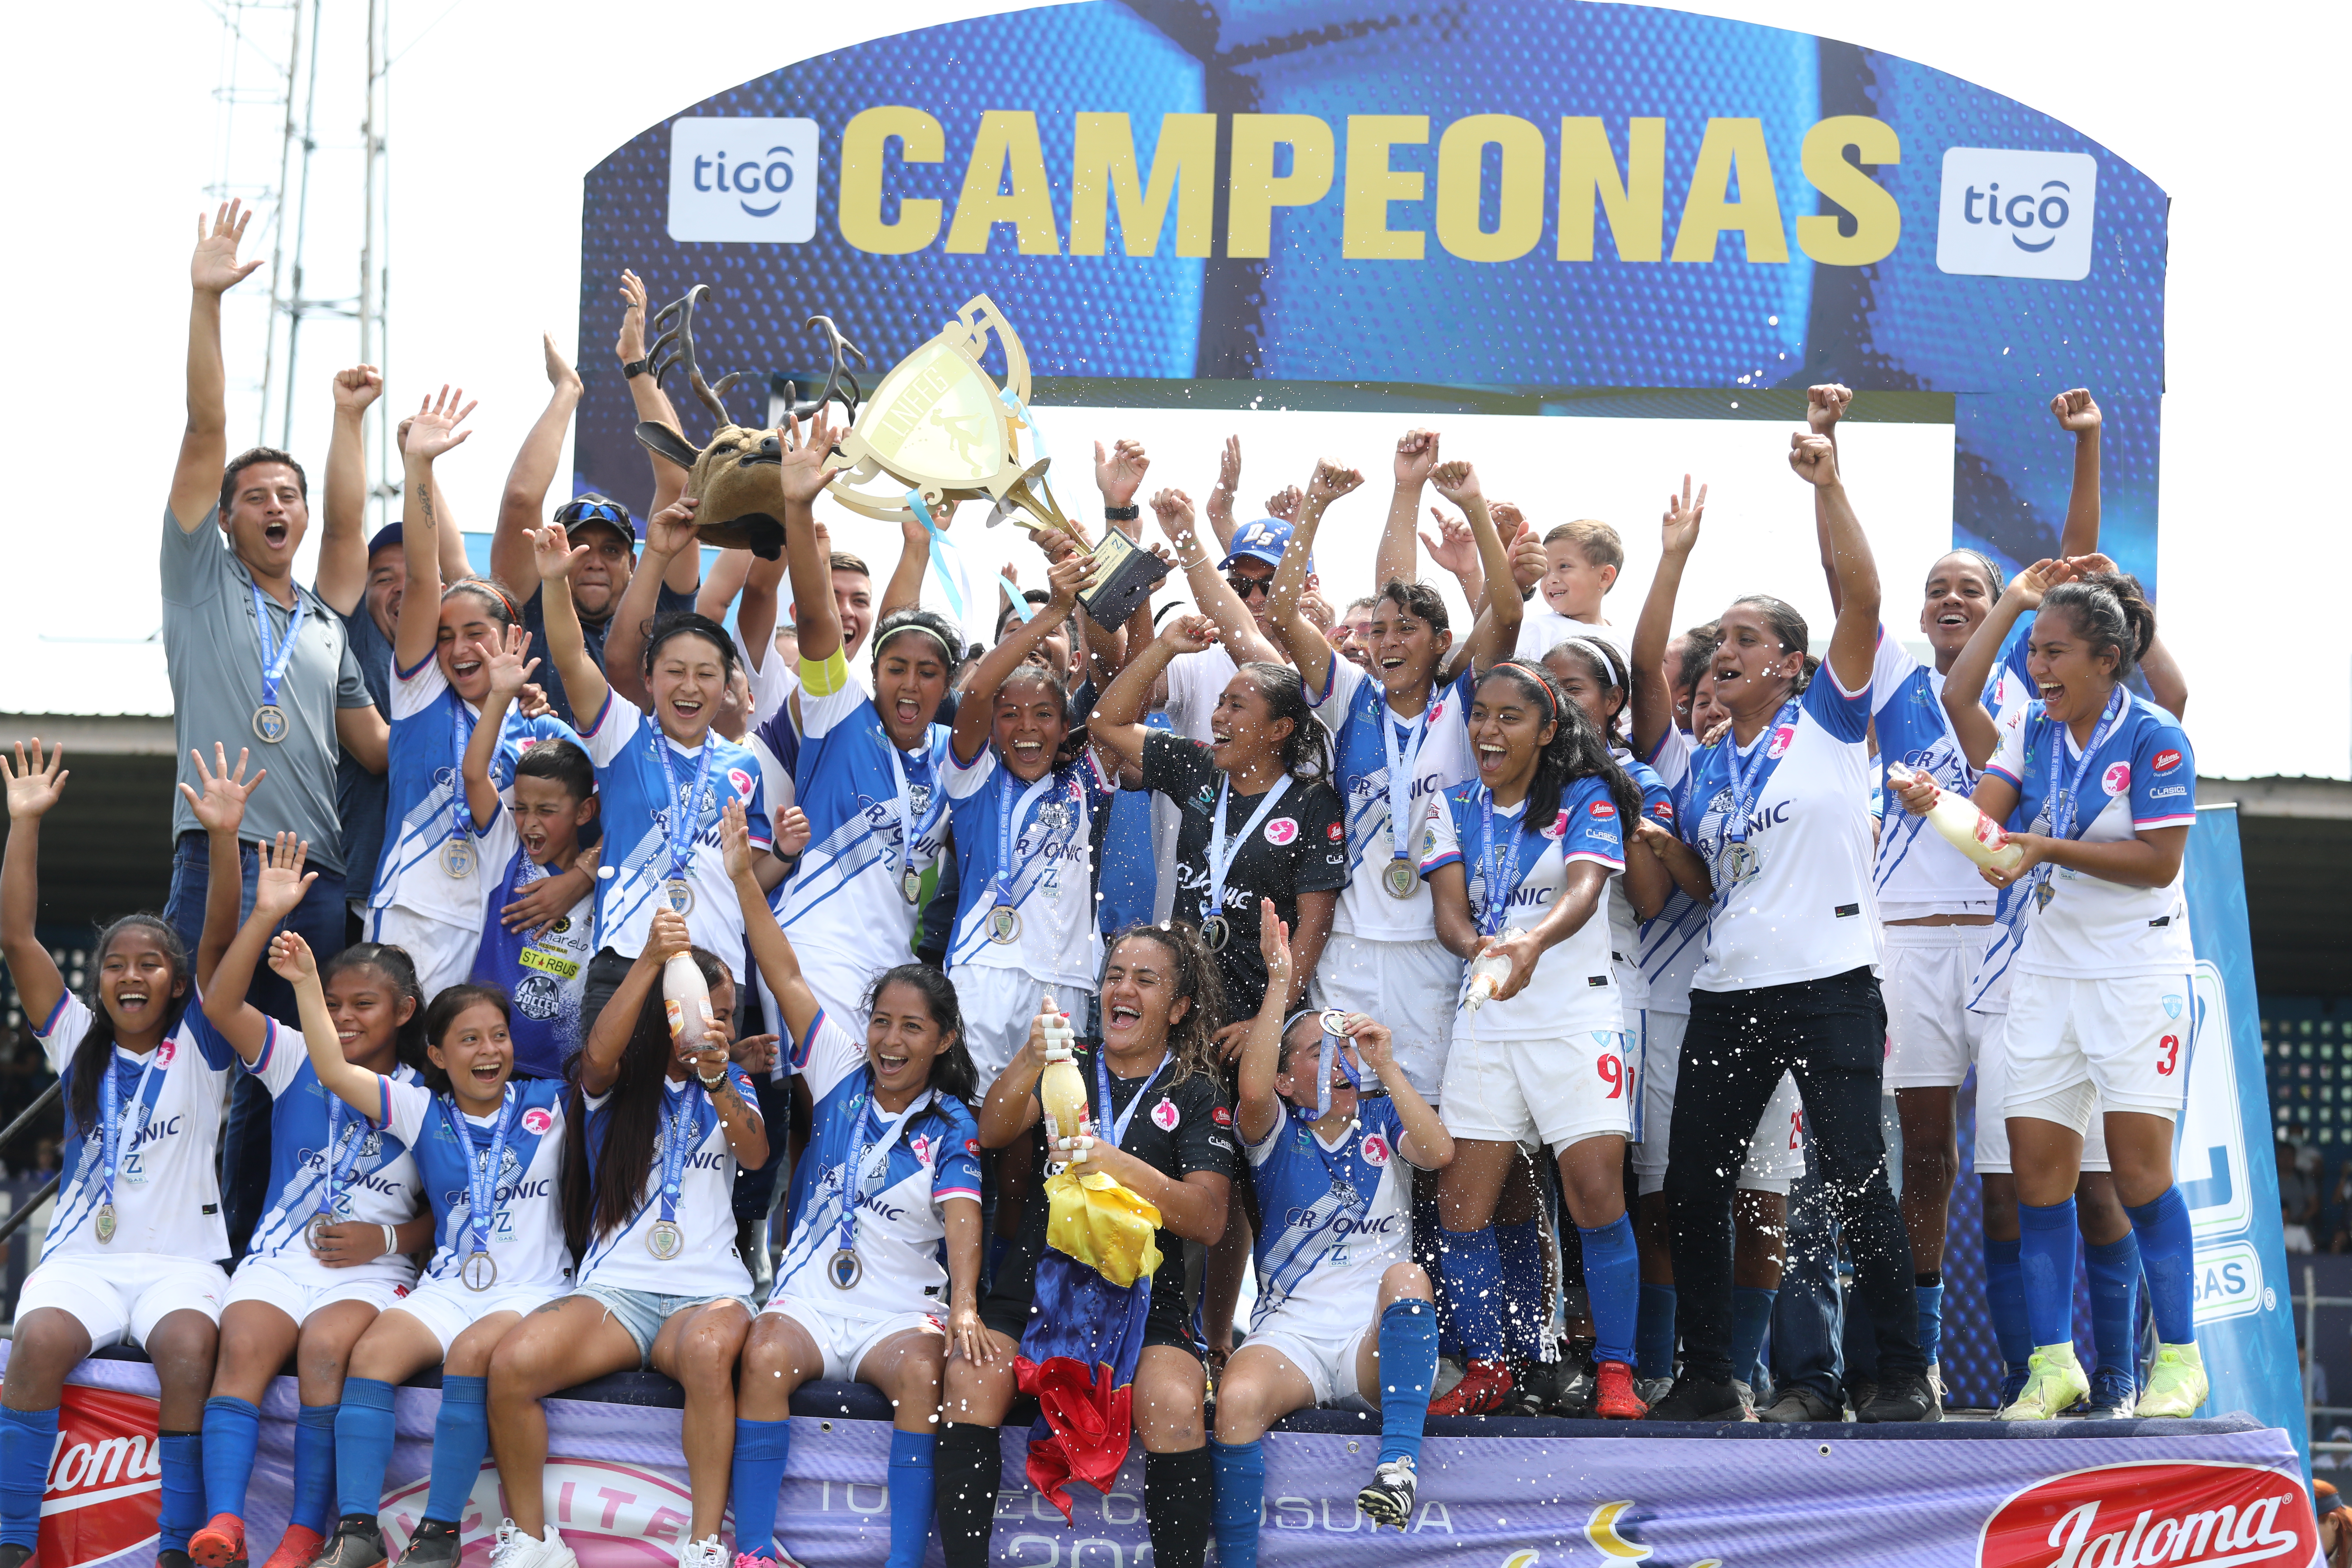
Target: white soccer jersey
[1353,708]
[704,1211]
[166,1197]
[1051,885]
[314,1137]
[1195,682]
[1794,901]
[526,1236]
[1624,929]
[1542,629]
[1336,1216]
[1917,871]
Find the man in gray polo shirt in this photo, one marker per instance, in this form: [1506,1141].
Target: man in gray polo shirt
[257,662]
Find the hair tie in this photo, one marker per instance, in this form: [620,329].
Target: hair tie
[947,653]
[1542,681]
[487,585]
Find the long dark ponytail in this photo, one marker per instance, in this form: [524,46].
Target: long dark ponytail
[395,965]
[94,1057]
[1307,750]
[2111,614]
[1578,748]
[600,1194]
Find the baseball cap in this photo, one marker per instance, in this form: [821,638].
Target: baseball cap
[1264,540]
[590,506]
[387,535]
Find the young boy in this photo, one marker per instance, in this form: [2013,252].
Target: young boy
[1581,560]
[540,929]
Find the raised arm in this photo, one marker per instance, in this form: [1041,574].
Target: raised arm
[608,1041]
[554,556]
[1220,504]
[34,787]
[1284,603]
[1425,1142]
[433,431]
[807,467]
[510,666]
[343,540]
[645,395]
[669,533]
[976,709]
[277,891]
[522,503]
[1854,640]
[1965,682]
[2079,416]
[1117,725]
[1210,592]
[1495,632]
[213,271]
[1398,560]
[1824,407]
[1256,1106]
[772,949]
[220,811]
[903,590]
[290,959]
[1653,699]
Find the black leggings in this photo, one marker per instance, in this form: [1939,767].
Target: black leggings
[1831,1033]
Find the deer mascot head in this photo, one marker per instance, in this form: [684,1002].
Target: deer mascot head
[735,478]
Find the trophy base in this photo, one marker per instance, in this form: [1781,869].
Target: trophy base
[1124,576]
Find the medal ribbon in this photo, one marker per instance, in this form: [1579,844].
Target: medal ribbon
[276,656]
[1331,1051]
[676,1134]
[342,1150]
[886,1137]
[1120,1123]
[911,832]
[110,1120]
[481,1171]
[688,823]
[1403,758]
[1748,781]
[1222,850]
[1007,814]
[1493,859]
[461,816]
[2065,804]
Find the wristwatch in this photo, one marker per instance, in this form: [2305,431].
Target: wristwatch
[631,369]
[1121,513]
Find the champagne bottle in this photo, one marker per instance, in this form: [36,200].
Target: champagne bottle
[1956,816]
[1487,975]
[686,999]
[1060,1088]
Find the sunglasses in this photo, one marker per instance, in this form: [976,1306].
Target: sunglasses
[573,514]
[1244,587]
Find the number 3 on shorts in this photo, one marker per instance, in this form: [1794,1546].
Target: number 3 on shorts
[2168,1054]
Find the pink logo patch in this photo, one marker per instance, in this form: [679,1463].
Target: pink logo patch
[1781,737]
[922,1148]
[166,1052]
[1376,1149]
[1282,830]
[537,1120]
[1163,1116]
[741,781]
[2118,778]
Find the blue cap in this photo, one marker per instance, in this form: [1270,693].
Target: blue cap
[593,507]
[1264,540]
[388,535]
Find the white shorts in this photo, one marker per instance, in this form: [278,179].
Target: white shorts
[298,1286]
[119,1300]
[1775,1152]
[998,1007]
[1329,1364]
[2128,1038]
[444,953]
[1557,1092]
[1411,986]
[448,1308]
[1992,1096]
[1931,1037]
[846,1339]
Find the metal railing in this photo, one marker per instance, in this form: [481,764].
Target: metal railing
[2312,1302]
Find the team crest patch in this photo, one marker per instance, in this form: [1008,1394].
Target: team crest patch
[972,1146]
[1282,830]
[166,1052]
[1664,811]
[922,1148]
[1559,825]
[1163,1116]
[1376,1149]
[537,1120]
[2118,778]
[2172,1006]
[741,780]
[1781,740]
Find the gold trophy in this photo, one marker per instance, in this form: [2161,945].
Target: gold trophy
[941,431]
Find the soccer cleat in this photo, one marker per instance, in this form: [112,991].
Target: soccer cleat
[2012,1383]
[171,1557]
[2053,1382]
[1613,1398]
[1799,1403]
[434,1545]
[1650,1390]
[2175,1383]
[1904,1396]
[14,1556]
[2111,1395]
[1747,1400]
[301,1545]
[218,1543]
[1694,1399]
[513,1549]
[1484,1385]
[356,1543]
[1388,1497]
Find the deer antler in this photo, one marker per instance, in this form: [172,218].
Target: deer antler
[674,346]
[835,378]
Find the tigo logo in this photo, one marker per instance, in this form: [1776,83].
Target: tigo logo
[742,180]
[2017,215]
[2198,1515]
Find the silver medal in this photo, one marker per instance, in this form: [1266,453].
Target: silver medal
[479,1272]
[457,857]
[1003,924]
[664,1240]
[315,1233]
[1400,881]
[269,723]
[911,885]
[1214,932]
[1740,861]
[678,894]
[844,1270]
[105,1226]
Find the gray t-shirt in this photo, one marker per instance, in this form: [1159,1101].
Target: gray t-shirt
[212,649]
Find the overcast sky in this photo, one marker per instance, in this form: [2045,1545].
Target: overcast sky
[500,108]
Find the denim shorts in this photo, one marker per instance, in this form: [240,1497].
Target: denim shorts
[643,1312]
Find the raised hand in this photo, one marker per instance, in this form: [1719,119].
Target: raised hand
[433,428]
[1330,482]
[357,387]
[1813,457]
[1274,947]
[34,787]
[1174,510]
[735,838]
[1189,633]
[291,958]
[1285,502]
[281,885]
[221,808]
[1679,528]
[1228,465]
[510,664]
[1416,454]
[1457,482]
[810,465]
[2092,565]
[1316,609]
[559,373]
[630,346]
[531,702]
[1528,561]
[791,832]
[1119,473]
[2074,411]
[553,552]
[1372,1040]
[2029,586]
[1825,405]
[671,529]
[1455,548]
[1065,578]
[215,268]
[668,937]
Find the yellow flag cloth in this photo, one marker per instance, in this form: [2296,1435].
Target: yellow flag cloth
[1100,1224]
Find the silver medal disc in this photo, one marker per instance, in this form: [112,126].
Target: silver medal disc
[269,723]
[678,894]
[315,1233]
[1214,932]
[911,885]
[1740,862]
[1003,924]
[105,1226]
[1398,881]
[480,1271]
[457,857]
[844,1270]
[1333,1021]
[664,1240]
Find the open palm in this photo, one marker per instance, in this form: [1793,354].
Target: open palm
[34,786]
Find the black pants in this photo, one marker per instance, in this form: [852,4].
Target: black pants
[1831,1033]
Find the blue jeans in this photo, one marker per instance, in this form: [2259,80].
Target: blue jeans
[319,919]
[1806,1315]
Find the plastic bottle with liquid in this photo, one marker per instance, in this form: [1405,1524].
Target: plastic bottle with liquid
[1060,1088]
[1487,974]
[686,999]
[1956,816]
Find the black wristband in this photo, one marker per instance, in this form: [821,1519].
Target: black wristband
[631,369]
[1121,513]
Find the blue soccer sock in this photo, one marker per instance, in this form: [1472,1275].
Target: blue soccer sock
[27,1438]
[1241,1497]
[761,1447]
[2046,1256]
[1653,1331]
[363,1445]
[1751,1319]
[1929,1289]
[232,1432]
[314,1467]
[2115,1283]
[1473,1283]
[2167,1254]
[1613,1283]
[179,1512]
[2005,1299]
[461,1436]
[911,1485]
[1520,1248]
[1408,1343]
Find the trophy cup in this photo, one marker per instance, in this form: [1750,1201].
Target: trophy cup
[937,428]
